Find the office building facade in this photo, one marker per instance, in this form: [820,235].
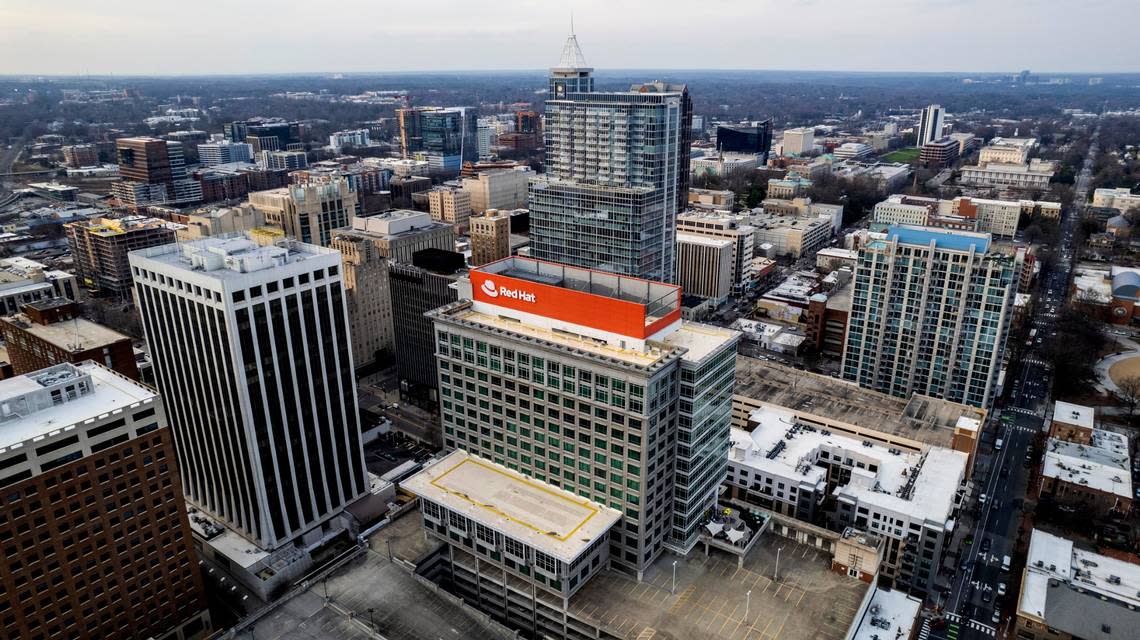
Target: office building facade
[617,172]
[498,189]
[223,152]
[930,314]
[308,212]
[450,205]
[490,237]
[153,171]
[930,125]
[704,265]
[93,516]
[591,381]
[755,137]
[426,283]
[269,442]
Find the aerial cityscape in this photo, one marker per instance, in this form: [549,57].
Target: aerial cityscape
[626,321]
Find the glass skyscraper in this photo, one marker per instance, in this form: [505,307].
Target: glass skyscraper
[617,167]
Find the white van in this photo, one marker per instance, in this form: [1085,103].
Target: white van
[997,444]
[1005,563]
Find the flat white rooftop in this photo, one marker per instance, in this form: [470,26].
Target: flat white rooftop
[231,256]
[110,391]
[700,339]
[551,520]
[890,615]
[920,485]
[1074,414]
[1101,465]
[1054,557]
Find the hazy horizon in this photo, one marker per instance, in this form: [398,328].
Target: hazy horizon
[210,37]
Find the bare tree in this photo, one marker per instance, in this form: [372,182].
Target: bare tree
[1128,390]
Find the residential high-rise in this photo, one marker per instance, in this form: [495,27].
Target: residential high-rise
[490,237]
[80,155]
[930,314]
[98,542]
[930,125]
[617,172]
[428,282]
[99,247]
[269,439]
[368,246]
[450,205]
[308,212]
[591,381]
[153,171]
[223,152]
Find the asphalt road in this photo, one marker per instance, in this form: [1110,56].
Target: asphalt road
[989,528]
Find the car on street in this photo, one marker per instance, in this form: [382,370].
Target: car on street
[1001,589]
[982,499]
[987,597]
[996,618]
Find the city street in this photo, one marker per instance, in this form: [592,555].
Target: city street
[983,593]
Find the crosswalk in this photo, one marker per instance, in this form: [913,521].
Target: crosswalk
[952,630]
[924,630]
[1028,412]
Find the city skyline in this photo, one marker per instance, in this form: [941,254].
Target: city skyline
[806,36]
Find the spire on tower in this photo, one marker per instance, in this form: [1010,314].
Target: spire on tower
[572,57]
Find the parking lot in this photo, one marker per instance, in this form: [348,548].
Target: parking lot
[391,450]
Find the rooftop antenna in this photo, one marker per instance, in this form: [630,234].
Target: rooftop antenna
[571,22]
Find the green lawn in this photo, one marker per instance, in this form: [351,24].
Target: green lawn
[908,155]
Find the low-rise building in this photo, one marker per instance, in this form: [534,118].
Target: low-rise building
[1122,199]
[1068,593]
[826,320]
[790,235]
[1013,176]
[214,221]
[887,176]
[1007,150]
[490,236]
[23,280]
[940,153]
[723,164]
[853,151]
[50,332]
[711,199]
[450,205]
[1085,466]
[793,185]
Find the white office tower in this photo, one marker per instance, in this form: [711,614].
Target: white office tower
[930,124]
[251,350]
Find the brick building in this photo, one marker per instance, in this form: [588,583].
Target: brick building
[50,332]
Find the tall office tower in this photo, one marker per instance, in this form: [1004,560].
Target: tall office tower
[153,171]
[93,518]
[287,134]
[308,212]
[100,246]
[368,247]
[446,136]
[798,141]
[497,189]
[450,205]
[755,137]
[591,381]
[714,225]
[212,153]
[428,282]
[930,313]
[269,438]
[704,265]
[930,124]
[616,173]
[490,237]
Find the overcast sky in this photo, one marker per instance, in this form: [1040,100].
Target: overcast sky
[260,36]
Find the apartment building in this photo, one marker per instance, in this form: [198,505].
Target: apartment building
[930,313]
[23,280]
[998,217]
[100,246]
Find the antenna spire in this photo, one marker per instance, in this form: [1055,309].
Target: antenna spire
[571,22]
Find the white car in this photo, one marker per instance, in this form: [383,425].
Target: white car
[982,499]
[996,619]
[1001,589]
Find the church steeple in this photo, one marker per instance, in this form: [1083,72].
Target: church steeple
[572,74]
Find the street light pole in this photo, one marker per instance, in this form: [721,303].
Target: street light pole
[371,623]
[673,589]
[776,573]
[747,603]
